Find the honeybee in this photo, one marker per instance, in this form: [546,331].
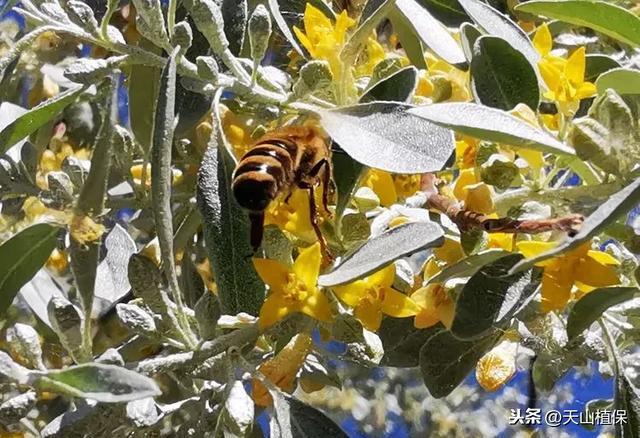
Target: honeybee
[296,156]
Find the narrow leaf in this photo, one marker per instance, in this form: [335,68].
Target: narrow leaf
[308,422]
[432,33]
[226,227]
[604,17]
[409,39]
[501,77]
[143,86]
[468,36]
[591,306]
[617,205]
[491,124]
[622,80]
[274,7]
[467,266]
[21,257]
[490,297]
[101,382]
[495,23]
[387,136]
[597,64]
[383,249]
[396,88]
[627,400]
[36,117]
[401,340]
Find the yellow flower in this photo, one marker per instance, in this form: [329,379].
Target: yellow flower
[583,267]
[406,185]
[236,131]
[477,196]
[500,241]
[33,208]
[564,77]
[428,85]
[497,367]
[322,39]
[204,270]
[57,261]
[382,184]
[435,306]
[84,230]
[450,252]
[282,369]
[373,295]
[294,215]
[137,173]
[373,54]
[293,290]
[535,159]
[466,150]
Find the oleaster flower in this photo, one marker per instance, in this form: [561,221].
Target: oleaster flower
[564,77]
[293,215]
[373,296]
[323,39]
[477,196]
[293,290]
[582,267]
[389,188]
[282,369]
[435,306]
[497,367]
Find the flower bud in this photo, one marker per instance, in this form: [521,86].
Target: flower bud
[24,341]
[207,16]
[259,32]
[207,68]
[67,322]
[150,13]
[182,36]
[136,319]
[314,75]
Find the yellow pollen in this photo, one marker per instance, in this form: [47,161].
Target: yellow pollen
[295,290]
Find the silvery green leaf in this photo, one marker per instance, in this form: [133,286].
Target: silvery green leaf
[274,7]
[21,257]
[384,249]
[495,23]
[207,312]
[146,280]
[100,382]
[305,421]
[111,356]
[618,204]
[591,306]
[491,124]
[90,70]
[388,136]
[398,87]
[12,370]
[226,227]
[16,408]
[207,16]
[143,412]
[151,12]
[239,409]
[60,186]
[136,319]
[468,36]
[467,266]
[76,169]
[81,15]
[501,76]
[84,419]
[24,340]
[313,369]
[182,36]
[55,12]
[38,292]
[114,35]
[432,33]
[68,323]
[208,69]
[111,276]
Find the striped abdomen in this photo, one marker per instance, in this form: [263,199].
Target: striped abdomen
[264,172]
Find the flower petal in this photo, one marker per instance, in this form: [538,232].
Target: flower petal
[398,305]
[274,309]
[273,273]
[384,277]
[317,306]
[533,248]
[426,318]
[575,67]
[542,40]
[604,258]
[369,315]
[351,293]
[307,265]
[556,289]
[593,273]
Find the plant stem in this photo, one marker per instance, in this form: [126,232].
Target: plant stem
[171,16]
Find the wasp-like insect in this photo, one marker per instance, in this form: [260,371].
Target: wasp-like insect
[296,156]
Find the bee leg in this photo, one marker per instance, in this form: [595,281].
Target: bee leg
[257,229]
[326,180]
[313,212]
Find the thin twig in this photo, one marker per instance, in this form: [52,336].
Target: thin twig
[467,220]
